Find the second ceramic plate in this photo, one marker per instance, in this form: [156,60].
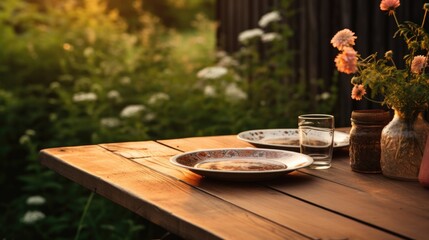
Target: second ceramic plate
[286,138]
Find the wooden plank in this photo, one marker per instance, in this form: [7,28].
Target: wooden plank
[409,194]
[383,213]
[270,204]
[172,204]
[375,207]
[188,144]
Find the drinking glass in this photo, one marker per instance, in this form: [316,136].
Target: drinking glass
[316,138]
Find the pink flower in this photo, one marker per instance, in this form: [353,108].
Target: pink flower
[418,64]
[389,5]
[343,38]
[358,92]
[347,60]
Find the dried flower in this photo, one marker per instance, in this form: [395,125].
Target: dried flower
[343,38]
[358,92]
[388,55]
[346,61]
[418,64]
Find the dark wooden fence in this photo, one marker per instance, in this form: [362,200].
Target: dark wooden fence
[314,23]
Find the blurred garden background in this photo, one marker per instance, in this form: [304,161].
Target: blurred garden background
[76,72]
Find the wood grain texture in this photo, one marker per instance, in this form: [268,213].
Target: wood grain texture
[307,204]
[395,206]
[172,204]
[283,209]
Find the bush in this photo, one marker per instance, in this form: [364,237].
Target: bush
[74,73]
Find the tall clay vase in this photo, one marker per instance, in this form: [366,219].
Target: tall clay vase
[402,146]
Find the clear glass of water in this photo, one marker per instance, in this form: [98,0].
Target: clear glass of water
[316,138]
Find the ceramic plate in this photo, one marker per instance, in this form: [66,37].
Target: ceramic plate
[241,164]
[284,138]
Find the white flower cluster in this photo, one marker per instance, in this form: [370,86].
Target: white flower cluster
[125,80]
[84,97]
[225,60]
[149,117]
[234,92]
[132,110]
[264,21]
[212,72]
[31,217]
[110,122]
[113,94]
[269,37]
[323,96]
[26,138]
[89,51]
[209,91]
[246,35]
[36,200]
[54,85]
[268,18]
[158,97]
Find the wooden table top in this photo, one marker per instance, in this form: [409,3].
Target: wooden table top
[336,203]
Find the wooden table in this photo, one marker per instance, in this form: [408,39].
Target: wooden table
[307,204]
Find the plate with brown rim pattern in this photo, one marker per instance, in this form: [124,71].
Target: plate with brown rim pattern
[241,164]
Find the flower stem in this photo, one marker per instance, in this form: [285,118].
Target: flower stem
[85,210]
[396,20]
[393,62]
[424,18]
[372,100]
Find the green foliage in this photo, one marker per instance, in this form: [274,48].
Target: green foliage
[403,89]
[75,72]
[175,14]
[64,68]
